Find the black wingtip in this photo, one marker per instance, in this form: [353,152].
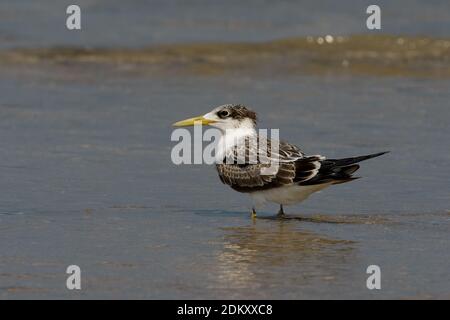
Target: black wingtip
[374,155]
[370,156]
[349,161]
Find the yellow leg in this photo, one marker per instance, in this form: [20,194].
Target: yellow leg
[253,213]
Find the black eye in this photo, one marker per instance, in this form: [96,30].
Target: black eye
[223,114]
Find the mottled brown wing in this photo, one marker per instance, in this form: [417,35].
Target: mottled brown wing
[292,167]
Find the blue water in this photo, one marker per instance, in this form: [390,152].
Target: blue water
[110,23]
[86,176]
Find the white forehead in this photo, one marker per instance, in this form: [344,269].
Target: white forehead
[213,113]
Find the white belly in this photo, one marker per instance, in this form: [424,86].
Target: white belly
[286,195]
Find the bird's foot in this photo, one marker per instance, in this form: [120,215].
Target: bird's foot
[280,213]
[281,216]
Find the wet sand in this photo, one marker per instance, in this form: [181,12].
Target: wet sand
[379,55]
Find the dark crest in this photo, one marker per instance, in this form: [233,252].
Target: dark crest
[240,112]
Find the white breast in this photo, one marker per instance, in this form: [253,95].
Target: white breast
[230,139]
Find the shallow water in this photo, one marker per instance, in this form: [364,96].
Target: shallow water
[87,178]
[114,23]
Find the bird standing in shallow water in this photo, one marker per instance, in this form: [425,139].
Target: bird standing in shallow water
[245,161]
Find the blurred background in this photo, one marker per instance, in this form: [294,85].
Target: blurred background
[141,23]
[86,174]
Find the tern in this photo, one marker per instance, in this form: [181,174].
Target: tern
[293,178]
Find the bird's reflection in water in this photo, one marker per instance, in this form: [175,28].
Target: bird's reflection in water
[277,253]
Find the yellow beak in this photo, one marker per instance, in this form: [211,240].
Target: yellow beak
[193,121]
